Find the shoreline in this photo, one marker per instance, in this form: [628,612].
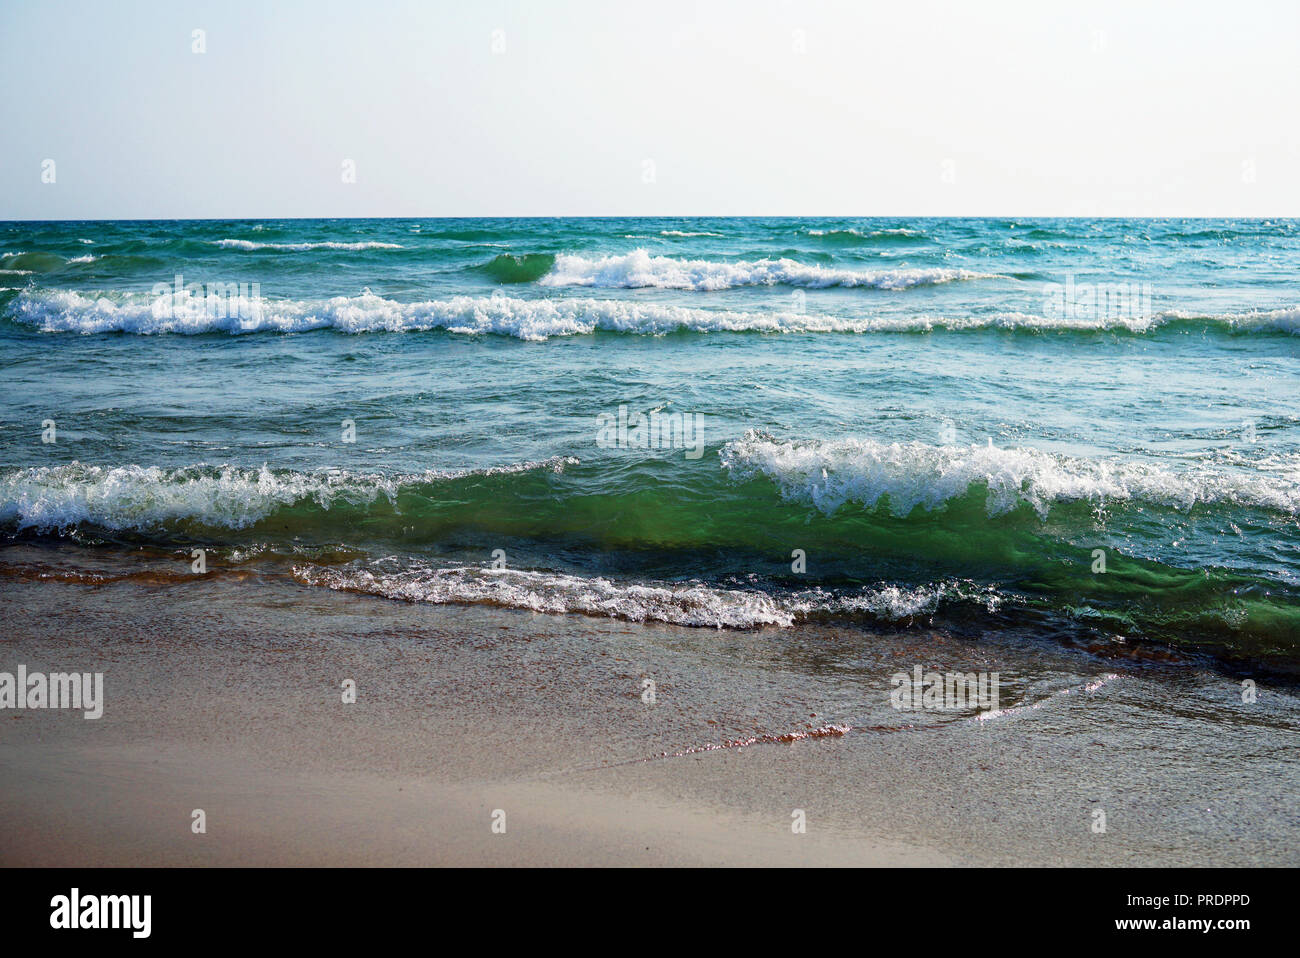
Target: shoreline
[224,695]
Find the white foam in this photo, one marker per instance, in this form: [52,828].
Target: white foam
[686,233]
[530,319]
[87,258]
[691,604]
[892,602]
[640,269]
[69,311]
[301,247]
[852,231]
[142,498]
[905,476]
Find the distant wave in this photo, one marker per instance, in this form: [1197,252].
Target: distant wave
[640,269]
[20,261]
[855,237]
[68,311]
[464,235]
[906,476]
[540,319]
[687,233]
[900,231]
[525,268]
[1229,233]
[301,247]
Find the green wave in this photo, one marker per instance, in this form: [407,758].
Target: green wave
[658,519]
[528,268]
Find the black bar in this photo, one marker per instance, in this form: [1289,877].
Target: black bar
[371,906]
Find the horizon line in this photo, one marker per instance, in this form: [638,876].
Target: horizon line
[667,216]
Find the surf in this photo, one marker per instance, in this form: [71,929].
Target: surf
[539,319]
[640,269]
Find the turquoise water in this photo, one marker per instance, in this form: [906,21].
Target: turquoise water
[903,422]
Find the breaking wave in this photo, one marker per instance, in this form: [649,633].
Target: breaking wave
[639,269]
[539,319]
[303,247]
[54,498]
[689,604]
[905,476]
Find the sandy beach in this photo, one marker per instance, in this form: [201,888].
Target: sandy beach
[223,694]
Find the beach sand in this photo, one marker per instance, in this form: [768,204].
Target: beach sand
[223,693]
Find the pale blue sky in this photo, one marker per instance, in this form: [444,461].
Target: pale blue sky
[1123,108]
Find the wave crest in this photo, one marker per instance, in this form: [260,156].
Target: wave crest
[907,476]
[639,269]
[692,604]
[52,498]
[538,319]
[355,247]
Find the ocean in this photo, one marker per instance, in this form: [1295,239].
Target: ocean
[1081,432]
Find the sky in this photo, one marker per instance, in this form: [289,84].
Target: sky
[499,108]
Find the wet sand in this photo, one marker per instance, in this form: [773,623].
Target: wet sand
[223,694]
